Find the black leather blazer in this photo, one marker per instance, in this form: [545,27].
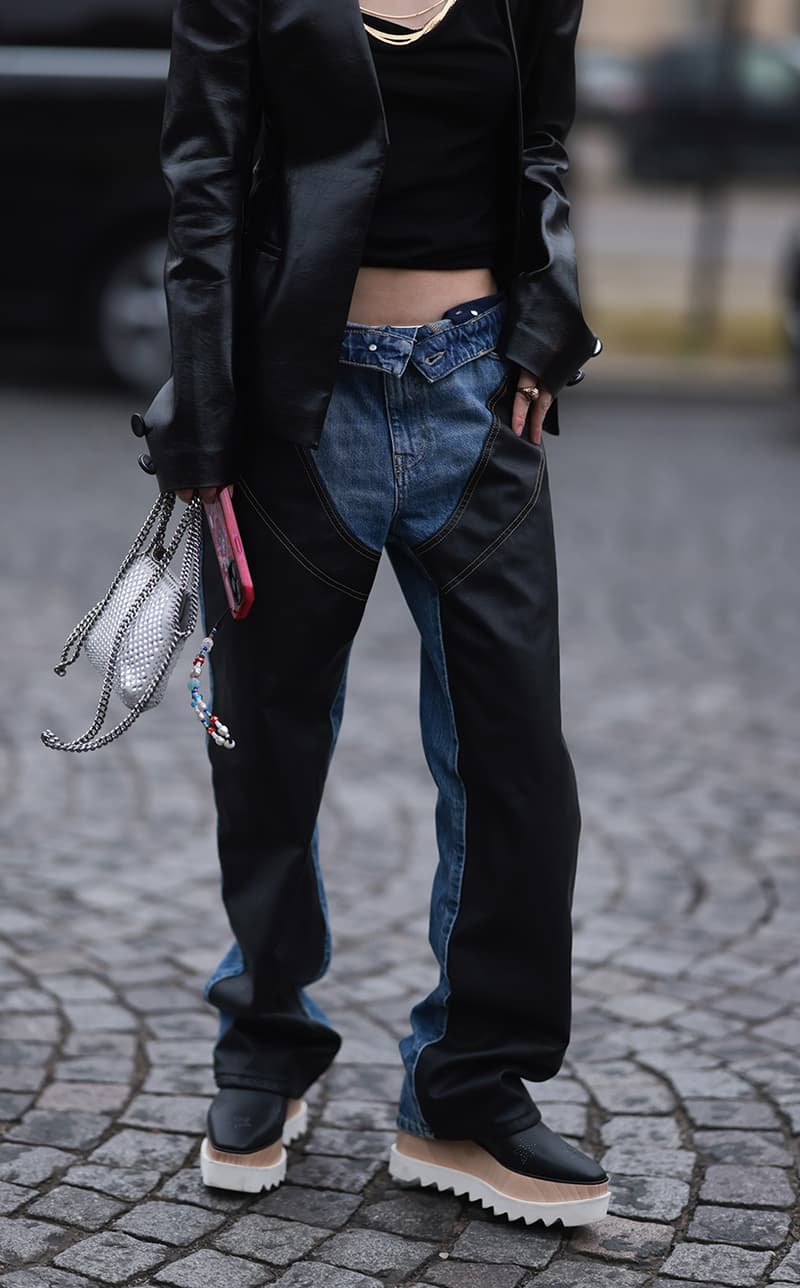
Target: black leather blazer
[273,144]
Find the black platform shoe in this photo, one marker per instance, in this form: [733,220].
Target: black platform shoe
[247,1130]
[533,1175]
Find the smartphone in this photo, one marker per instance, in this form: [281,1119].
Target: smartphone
[230,553]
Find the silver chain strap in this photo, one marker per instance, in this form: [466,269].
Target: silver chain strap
[162,552]
[159,515]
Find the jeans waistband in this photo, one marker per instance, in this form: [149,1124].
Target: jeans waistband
[434,348]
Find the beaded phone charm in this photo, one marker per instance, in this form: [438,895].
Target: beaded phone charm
[211,723]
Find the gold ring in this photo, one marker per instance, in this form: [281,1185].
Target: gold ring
[531,392]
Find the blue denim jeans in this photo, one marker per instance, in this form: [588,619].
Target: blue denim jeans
[417,456]
[396,453]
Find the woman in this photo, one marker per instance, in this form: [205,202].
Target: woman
[369,329]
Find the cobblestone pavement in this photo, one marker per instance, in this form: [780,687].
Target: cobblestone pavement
[678,533]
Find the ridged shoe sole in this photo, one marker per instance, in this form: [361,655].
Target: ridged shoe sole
[261,1170]
[465,1168]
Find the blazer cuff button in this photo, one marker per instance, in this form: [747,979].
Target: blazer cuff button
[147,463]
[137,425]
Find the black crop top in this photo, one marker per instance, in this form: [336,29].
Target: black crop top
[447,97]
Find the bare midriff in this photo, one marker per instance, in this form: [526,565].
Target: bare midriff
[403,296]
[414,296]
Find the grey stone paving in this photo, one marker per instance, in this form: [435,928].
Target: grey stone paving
[678,534]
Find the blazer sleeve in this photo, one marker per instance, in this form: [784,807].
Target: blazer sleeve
[210,123]
[546,330]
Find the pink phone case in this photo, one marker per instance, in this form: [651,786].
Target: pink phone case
[230,554]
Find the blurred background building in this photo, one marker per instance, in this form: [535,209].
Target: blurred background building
[686,165]
[645,25]
[686,156]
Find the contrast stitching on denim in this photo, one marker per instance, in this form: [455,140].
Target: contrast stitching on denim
[395,481]
[370,366]
[327,503]
[474,478]
[456,366]
[502,536]
[417,415]
[323,902]
[466,496]
[293,550]
[461,865]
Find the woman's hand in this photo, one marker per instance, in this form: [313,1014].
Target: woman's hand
[205,493]
[525,412]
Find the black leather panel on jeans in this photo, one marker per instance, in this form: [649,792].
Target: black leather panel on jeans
[500,637]
[276,674]
[505,483]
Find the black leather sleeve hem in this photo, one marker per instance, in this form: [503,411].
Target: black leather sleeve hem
[180,461]
[171,442]
[529,348]
[192,469]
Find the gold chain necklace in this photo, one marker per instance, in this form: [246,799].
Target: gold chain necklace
[408,38]
[401,16]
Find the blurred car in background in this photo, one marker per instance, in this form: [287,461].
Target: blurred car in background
[713,109]
[608,84]
[791,48]
[82,223]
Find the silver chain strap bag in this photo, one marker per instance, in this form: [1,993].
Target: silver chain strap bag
[135,633]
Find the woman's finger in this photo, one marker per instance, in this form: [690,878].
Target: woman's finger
[529,413]
[539,410]
[519,413]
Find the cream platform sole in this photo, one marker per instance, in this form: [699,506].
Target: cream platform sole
[465,1168]
[261,1170]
